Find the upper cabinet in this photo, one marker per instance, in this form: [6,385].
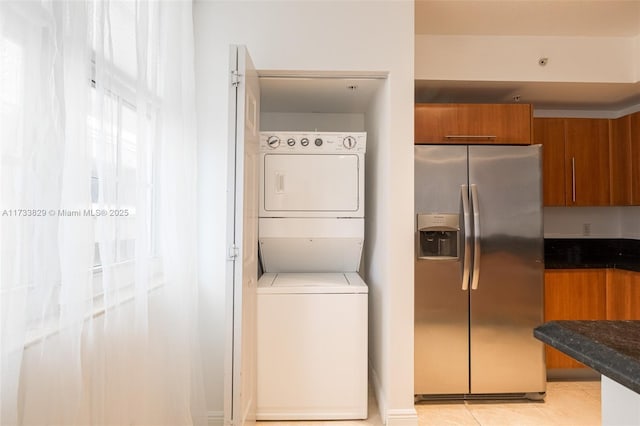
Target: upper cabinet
[621,160]
[590,162]
[587,162]
[625,160]
[550,133]
[634,153]
[575,160]
[473,124]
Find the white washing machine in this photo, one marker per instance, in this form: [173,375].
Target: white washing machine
[312,304]
[312,346]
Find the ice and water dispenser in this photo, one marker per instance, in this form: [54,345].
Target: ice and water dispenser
[438,236]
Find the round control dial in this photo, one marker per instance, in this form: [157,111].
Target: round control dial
[318,142]
[273,141]
[349,142]
[304,141]
[291,141]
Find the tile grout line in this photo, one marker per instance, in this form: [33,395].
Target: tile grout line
[466,406]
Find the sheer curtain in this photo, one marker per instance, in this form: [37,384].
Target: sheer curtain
[98,285]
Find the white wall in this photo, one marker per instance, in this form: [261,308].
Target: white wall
[511,58]
[320,36]
[569,222]
[604,222]
[321,122]
[376,241]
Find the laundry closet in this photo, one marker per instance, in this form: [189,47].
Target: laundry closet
[311,302]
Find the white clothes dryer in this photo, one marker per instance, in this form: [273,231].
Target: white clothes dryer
[312,174]
[311,216]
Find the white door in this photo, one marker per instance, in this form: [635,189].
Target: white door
[242,239]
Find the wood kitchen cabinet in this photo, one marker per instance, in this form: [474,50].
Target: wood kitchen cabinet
[473,124]
[587,162]
[575,160]
[550,133]
[635,158]
[623,295]
[620,156]
[573,294]
[588,294]
[625,160]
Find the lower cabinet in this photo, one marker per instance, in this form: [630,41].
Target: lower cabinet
[572,294]
[623,295]
[588,294]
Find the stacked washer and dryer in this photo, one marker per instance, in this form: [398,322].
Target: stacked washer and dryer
[311,302]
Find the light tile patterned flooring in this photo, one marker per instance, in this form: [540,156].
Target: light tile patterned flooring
[575,403]
[566,404]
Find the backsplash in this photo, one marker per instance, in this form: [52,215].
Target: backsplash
[630,222]
[592,253]
[592,222]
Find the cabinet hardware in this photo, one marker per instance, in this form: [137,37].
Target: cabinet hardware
[573,179]
[482,137]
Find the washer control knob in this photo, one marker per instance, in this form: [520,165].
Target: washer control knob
[291,141]
[318,142]
[304,141]
[273,141]
[349,142]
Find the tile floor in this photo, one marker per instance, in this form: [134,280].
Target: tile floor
[575,403]
[566,404]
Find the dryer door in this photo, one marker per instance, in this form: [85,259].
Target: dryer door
[296,185]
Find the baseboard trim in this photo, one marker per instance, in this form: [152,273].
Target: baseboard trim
[391,417]
[215,418]
[402,417]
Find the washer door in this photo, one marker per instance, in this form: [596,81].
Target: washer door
[299,185]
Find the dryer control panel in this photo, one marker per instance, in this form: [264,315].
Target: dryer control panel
[313,142]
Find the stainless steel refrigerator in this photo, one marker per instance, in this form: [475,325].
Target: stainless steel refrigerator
[478,271]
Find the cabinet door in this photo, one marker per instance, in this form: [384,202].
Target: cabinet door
[621,159]
[550,133]
[623,295]
[572,294]
[473,124]
[587,162]
[635,158]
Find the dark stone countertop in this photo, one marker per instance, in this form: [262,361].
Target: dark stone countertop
[576,253]
[612,348]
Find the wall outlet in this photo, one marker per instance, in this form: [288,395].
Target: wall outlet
[586,229]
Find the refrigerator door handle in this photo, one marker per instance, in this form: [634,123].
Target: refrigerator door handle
[464,193]
[476,238]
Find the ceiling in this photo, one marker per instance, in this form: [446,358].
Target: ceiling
[596,18]
[319,94]
[577,18]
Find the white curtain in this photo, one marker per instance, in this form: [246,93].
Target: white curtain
[98,284]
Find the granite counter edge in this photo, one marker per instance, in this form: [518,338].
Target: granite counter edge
[608,362]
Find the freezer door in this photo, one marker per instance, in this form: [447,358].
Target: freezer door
[441,304]
[507,302]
